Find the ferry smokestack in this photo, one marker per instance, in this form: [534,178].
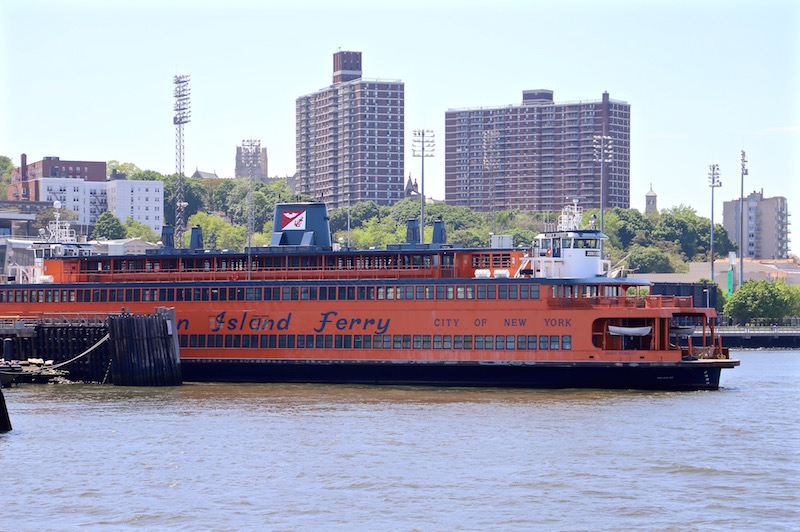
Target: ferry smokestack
[412,231]
[439,232]
[196,239]
[168,236]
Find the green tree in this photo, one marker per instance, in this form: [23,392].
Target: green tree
[6,167]
[134,229]
[129,169]
[771,300]
[108,227]
[649,260]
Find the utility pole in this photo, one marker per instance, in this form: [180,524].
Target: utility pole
[741,222]
[182,116]
[603,154]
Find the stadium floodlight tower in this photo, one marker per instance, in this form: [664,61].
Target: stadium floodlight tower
[182,116]
[422,145]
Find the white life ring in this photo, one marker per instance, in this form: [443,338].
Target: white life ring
[549,252]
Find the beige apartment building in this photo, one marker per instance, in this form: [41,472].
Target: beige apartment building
[765,225]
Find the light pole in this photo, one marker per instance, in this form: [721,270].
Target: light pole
[422,145]
[741,222]
[713,182]
[603,153]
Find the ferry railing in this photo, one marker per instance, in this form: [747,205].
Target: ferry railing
[394,272]
[649,301]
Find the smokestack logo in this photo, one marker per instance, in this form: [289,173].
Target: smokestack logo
[293,220]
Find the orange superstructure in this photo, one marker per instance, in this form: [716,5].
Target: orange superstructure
[548,316]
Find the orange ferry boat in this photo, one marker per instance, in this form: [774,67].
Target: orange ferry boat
[299,310]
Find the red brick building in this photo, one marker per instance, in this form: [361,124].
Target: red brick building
[23,186]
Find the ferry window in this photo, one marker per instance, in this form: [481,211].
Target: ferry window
[71,296]
[319,341]
[478,341]
[295,293]
[554,342]
[420,292]
[459,292]
[481,292]
[437,341]
[323,293]
[500,342]
[491,292]
[366,341]
[381,293]
[468,342]
[273,341]
[309,341]
[488,342]
[522,343]
[312,293]
[440,292]
[535,291]
[281,341]
[129,295]
[544,342]
[512,291]
[510,342]
[387,341]
[399,293]
[426,341]
[248,294]
[231,294]
[470,292]
[357,341]
[406,341]
[48,296]
[428,292]
[328,341]
[566,342]
[184,340]
[301,341]
[205,294]
[447,342]
[458,341]
[257,293]
[3,296]
[524,291]
[409,292]
[263,343]
[390,292]
[178,294]
[192,340]
[397,341]
[201,340]
[40,296]
[502,292]
[104,295]
[246,340]
[351,293]
[80,296]
[342,293]
[449,292]
[361,293]
[240,294]
[331,293]
[197,295]
[228,340]
[218,339]
[417,341]
[348,341]
[215,294]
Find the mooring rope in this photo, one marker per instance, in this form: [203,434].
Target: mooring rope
[99,342]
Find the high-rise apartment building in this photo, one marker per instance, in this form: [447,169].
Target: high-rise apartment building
[765,225]
[350,138]
[534,155]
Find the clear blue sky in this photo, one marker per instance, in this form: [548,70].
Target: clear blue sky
[92,80]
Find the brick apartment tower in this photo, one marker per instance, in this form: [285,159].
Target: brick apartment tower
[534,155]
[349,138]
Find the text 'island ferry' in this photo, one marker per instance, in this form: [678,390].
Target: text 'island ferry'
[302,310]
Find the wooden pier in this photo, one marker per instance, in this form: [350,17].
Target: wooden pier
[121,349]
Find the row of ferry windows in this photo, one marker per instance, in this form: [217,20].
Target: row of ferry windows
[386,341]
[285,293]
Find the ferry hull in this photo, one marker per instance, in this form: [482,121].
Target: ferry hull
[678,376]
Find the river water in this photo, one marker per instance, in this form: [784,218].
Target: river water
[311,457]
